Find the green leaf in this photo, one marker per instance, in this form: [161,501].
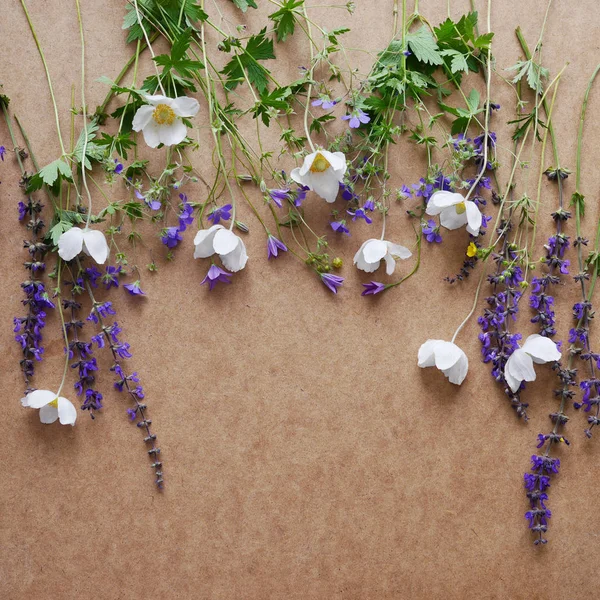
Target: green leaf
[50,173]
[244,4]
[424,46]
[578,200]
[285,19]
[473,101]
[194,13]
[458,62]
[91,129]
[533,72]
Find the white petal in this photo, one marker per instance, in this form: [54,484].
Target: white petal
[474,218]
[142,117]
[67,413]
[95,244]
[457,373]
[426,357]
[390,264]
[70,243]
[151,134]
[374,250]
[158,99]
[204,242]
[541,349]
[306,165]
[519,366]
[442,199]
[512,383]
[398,250]
[447,355]
[337,160]
[236,260]
[361,263]
[297,176]
[39,398]
[171,135]
[185,106]
[225,241]
[450,219]
[48,414]
[326,184]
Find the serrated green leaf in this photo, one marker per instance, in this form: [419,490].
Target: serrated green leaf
[244,4]
[50,173]
[285,19]
[458,61]
[424,46]
[473,101]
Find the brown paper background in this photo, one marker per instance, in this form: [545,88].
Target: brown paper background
[306,456]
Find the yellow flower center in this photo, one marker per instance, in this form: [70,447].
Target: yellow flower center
[471,250]
[460,208]
[163,114]
[320,164]
[54,403]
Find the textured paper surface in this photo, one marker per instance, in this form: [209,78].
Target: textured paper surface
[306,456]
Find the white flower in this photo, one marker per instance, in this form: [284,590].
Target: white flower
[322,172]
[447,357]
[455,211]
[51,407]
[519,366]
[369,255]
[91,241]
[221,241]
[160,119]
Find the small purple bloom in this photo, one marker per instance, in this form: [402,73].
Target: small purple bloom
[280,196]
[273,247]
[373,287]
[131,413]
[221,212]
[340,227]
[324,102]
[301,195]
[355,118]
[111,277]
[186,214]
[369,205]
[214,275]
[134,288]
[333,282]
[359,213]
[171,237]
[118,167]
[21,206]
[431,232]
[2,152]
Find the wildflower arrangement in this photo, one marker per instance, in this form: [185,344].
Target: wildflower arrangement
[337,129]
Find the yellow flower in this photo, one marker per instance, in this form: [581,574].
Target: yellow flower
[471,250]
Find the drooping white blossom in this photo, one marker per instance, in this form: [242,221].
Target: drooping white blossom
[91,241]
[372,252]
[51,407]
[322,172]
[447,357]
[519,366]
[455,211]
[221,241]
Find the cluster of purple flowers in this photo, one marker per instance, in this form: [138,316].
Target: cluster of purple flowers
[497,341]
[28,329]
[171,236]
[121,351]
[427,187]
[474,148]
[295,197]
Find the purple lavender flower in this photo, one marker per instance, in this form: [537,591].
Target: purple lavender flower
[186,214]
[273,246]
[340,227]
[2,153]
[220,212]
[171,236]
[111,276]
[214,275]
[372,288]
[359,213]
[132,414]
[134,288]
[103,309]
[369,205]
[355,118]
[431,231]
[333,282]
[22,207]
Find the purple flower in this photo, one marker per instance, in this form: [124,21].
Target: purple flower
[214,275]
[273,246]
[118,167]
[134,288]
[340,227]
[92,275]
[221,212]
[372,288]
[111,277]
[356,117]
[359,213]
[131,413]
[369,205]
[333,282]
[103,310]
[171,236]
[186,214]
[300,195]
[431,232]
[280,196]
[150,202]
[22,207]
[2,152]
[324,102]
[347,192]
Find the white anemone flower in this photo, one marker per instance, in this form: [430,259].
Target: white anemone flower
[455,211]
[221,241]
[369,255]
[519,366]
[322,172]
[160,119]
[447,357]
[91,241]
[52,407]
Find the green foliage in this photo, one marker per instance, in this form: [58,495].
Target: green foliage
[258,48]
[285,19]
[243,5]
[533,72]
[178,61]
[51,175]
[269,104]
[423,45]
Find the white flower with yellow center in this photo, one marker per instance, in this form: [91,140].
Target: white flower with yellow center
[322,172]
[52,407]
[447,357]
[91,241]
[160,119]
[372,252]
[455,211]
